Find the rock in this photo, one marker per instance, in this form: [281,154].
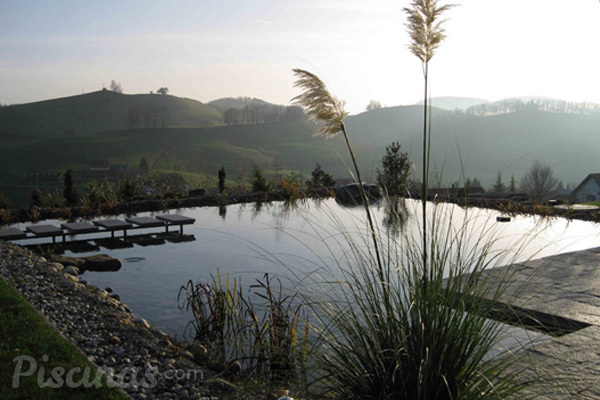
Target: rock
[58,266]
[187,355]
[200,353]
[142,322]
[350,194]
[71,270]
[65,260]
[101,262]
[71,278]
[72,285]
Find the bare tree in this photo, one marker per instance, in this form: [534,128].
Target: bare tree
[373,105]
[116,87]
[539,181]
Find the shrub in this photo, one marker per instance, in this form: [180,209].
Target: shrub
[222,180]
[418,334]
[292,185]
[128,188]
[70,190]
[320,179]
[406,318]
[5,202]
[259,183]
[264,331]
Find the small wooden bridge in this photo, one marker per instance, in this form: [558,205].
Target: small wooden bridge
[99,226]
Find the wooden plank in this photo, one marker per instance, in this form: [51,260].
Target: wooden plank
[114,224]
[145,222]
[79,227]
[45,230]
[176,219]
[11,234]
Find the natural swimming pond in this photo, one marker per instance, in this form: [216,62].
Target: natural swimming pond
[248,240]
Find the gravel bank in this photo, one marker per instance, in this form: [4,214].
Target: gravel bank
[144,361]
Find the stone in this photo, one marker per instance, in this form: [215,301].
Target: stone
[115,340]
[71,270]
[101,262]
[200,352]
[65,260]
[58,266]
[71,278]
[187,355]
[142,322]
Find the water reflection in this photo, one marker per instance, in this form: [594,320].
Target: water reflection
[223,211]
[395,215]
[296,238]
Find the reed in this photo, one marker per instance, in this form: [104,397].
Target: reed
[264,330]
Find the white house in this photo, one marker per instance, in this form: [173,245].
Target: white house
[588,189]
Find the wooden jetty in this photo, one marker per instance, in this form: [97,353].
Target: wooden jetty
[99,226]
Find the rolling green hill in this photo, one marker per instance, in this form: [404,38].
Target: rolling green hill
[463,144]
[100,111]
[480,146]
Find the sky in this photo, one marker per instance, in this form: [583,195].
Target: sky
[209,49]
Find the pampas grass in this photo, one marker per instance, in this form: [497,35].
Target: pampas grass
[426,33]
[323,107]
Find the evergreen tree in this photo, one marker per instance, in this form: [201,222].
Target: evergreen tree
[320,179]
[222,180]
[498,185]
[259,183]
[395,170]
[36,198]
[70,190]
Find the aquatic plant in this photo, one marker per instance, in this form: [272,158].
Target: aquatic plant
[425,337]
[263,330]
[408,318]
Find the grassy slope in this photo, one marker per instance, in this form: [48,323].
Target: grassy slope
[191,149]
[24,332]
[96,112]
[508,143]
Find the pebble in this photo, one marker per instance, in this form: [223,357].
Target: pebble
[93,320]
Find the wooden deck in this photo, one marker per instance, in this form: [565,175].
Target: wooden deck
[100,226]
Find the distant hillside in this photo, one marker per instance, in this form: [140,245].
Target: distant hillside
[198,150]
[455,103]
[481,145]
[503,136]
[237,102]
[102,111]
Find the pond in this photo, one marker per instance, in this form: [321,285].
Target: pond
[248,240]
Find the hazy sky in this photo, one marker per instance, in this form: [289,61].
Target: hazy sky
[207,49]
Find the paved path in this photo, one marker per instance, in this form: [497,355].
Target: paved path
[568,286]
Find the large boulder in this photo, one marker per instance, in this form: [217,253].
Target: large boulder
[350,194]
[101,262]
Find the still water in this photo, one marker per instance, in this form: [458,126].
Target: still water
[248,240]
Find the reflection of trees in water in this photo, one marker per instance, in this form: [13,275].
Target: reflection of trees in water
[222,211]
[395,215]
[257,208]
